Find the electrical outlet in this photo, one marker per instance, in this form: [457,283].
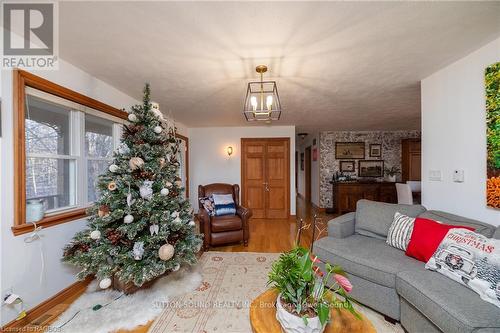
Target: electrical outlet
[435,175]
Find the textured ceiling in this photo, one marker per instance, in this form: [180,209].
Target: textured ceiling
[338,65]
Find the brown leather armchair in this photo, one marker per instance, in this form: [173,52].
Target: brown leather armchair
[220,230]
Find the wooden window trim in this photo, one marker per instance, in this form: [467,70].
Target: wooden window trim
[22,79]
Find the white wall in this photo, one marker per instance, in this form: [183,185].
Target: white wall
[454,136]
[209,163]
[301,186]
[20,262]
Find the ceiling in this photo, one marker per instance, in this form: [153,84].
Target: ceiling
[338,65]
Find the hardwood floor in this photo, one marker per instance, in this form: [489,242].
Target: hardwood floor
[273,235]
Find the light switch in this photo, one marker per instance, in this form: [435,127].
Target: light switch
[435,175]
[458,176]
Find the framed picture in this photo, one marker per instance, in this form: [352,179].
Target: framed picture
[302,161]
[349,150]
[347,166]
[371,168]
[376,150]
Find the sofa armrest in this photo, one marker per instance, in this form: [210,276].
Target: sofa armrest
[496,235]
[342,226]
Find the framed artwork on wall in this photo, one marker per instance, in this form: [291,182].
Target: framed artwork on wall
[492,80]
[376,150]
[349,150]
[347,166]
[371,168]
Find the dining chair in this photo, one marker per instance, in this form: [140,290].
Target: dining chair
[404,194]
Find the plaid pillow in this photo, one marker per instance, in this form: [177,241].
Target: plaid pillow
[208,204]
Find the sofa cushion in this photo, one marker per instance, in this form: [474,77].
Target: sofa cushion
[226,223]
[366,257]
[480,227]
[449,305]
[375,218]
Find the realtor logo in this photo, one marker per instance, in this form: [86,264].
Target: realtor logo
[29,36]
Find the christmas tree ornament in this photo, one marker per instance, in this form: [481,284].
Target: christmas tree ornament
[105,283]
[176,267]
[138,250]
[154,229]
[175,214]
[155,108]
[166,252]
[162,161]
[128,219]
[192,223]
[177,220]
[164,191]
[113,168]
[178,183]
[168,184]
[136,163]
[112,186]
[146,190]
[103,211]
[157,129]
[168,157]
[96,234]
[114,236]
[132,117]
[123,149]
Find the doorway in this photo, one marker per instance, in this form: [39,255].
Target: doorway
[307,174]
[265,177]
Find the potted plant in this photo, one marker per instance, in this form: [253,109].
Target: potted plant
[391,173]
[303,304]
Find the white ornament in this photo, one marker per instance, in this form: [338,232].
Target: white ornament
[96,234]
[176,267]
[164,191]
[132,117]
[128,219]
[191,223]
[123,149]
[130,201]
[158,114]
[146,189]
[153,229]
[138,250]
[175,214]
[105,283]
[168,157]
[166,252]
[157,129]
[113,168]
[177,220]
[136,163]
[168,184]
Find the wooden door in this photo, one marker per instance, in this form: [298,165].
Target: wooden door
[265,176]
[307,173]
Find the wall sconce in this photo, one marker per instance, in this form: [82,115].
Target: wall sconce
[229,151]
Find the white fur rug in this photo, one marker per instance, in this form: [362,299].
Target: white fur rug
[127,312]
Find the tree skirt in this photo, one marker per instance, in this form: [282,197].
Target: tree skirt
[221,303]
[128,311]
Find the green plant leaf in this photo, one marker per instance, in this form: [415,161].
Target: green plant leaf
[323,311]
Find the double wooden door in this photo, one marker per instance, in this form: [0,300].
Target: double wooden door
[265,177]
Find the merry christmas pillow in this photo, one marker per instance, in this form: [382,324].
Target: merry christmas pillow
[472,260]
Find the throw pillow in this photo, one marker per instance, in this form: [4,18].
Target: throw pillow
[400,231]
[208,204]
[426,236]
[224,204]
[472,260]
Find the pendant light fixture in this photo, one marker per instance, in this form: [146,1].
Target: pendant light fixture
[262,102]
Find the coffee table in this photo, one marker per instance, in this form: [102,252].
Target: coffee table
[263,317]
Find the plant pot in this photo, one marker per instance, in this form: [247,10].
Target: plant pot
[391,178]
[291,323]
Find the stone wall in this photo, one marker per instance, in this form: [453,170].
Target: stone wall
[391,154]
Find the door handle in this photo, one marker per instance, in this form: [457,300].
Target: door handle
[267,186]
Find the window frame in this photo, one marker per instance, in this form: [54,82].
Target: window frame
[21,80]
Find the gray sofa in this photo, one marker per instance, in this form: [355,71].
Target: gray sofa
[399,287]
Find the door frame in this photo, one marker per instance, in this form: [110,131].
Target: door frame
[288,169]
[308,174]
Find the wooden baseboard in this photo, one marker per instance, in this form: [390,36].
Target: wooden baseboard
[32,314]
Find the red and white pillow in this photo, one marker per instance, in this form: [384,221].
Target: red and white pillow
[400,231]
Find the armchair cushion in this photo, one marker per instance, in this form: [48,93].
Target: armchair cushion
[226,223]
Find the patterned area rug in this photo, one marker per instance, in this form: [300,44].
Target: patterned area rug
[221,303]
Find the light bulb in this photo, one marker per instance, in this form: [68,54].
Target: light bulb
[269,102]
[253,101]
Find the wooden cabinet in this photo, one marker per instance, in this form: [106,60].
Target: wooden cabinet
[347,194]
[411,168]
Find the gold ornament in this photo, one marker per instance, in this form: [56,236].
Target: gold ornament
[166,252]
[112,186]
[103,211]
[136,163]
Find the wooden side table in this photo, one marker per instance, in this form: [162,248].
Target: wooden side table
[263,318]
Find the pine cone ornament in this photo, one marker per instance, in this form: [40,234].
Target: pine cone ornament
[114,236]
[103,211]
[84,247]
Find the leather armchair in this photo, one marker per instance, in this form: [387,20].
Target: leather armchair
[226,229]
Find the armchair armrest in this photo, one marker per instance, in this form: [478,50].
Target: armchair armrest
[342,226]
[245,214]
[204,227]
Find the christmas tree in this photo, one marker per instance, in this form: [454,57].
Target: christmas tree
[141,226]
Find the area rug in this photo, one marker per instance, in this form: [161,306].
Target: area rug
[124,311]
[221,303]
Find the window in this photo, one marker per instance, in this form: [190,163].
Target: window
[63,141]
